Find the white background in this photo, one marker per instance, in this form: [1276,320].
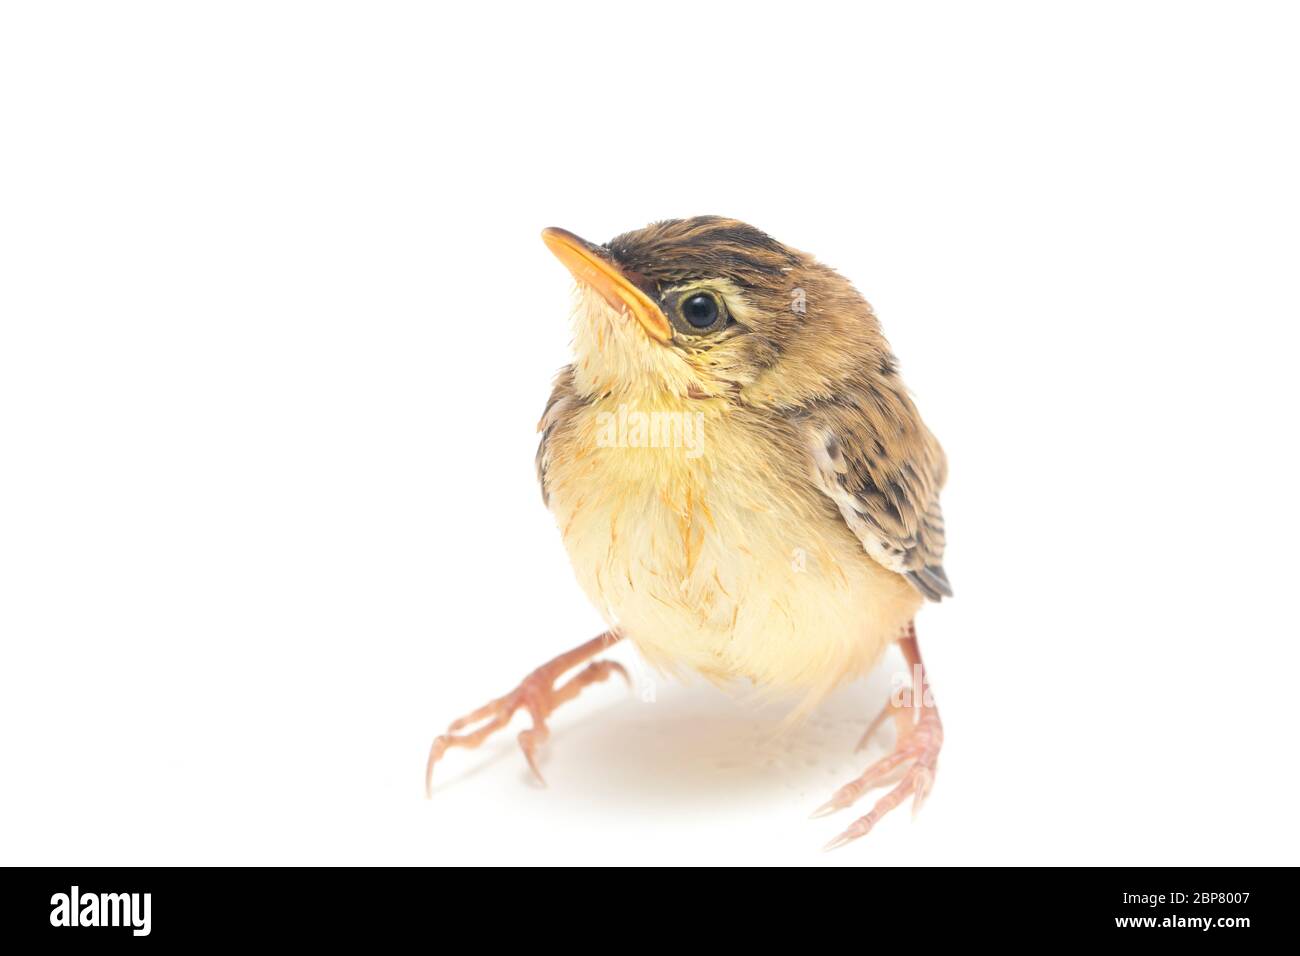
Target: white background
[277,328]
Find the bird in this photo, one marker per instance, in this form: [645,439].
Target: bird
[743,485]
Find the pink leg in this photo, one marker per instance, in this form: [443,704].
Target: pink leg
[538,695]
[920,737]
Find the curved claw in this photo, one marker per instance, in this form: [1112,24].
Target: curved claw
[529,741]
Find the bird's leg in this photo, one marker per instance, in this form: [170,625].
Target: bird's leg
[920,736]
[538,694]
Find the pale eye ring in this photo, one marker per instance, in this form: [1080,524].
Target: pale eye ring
[700,311]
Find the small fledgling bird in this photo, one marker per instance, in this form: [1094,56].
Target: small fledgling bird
[742,482]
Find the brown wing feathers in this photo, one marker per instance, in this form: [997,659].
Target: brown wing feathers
[881,466]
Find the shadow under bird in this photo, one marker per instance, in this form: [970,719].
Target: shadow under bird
[742,482]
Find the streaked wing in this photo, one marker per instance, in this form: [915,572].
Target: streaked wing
[875,459]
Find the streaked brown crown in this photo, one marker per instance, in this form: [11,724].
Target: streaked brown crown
[680,250]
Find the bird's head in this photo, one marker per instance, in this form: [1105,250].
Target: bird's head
[713,308]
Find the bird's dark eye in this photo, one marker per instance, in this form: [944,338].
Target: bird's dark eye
[696,312]
[700,310]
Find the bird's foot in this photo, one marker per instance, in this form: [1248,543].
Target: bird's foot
[920,737]
[539,695]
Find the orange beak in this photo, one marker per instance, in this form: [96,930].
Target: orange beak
[592,269]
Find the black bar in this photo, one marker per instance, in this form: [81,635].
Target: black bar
[208,905]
